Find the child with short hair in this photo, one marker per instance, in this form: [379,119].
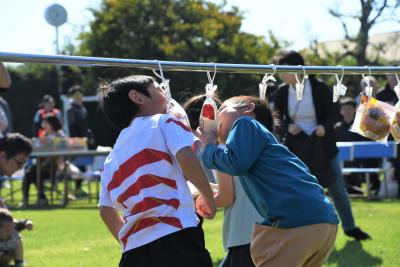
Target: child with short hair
[299,223]
[145,177]
[239,214]
[10,242]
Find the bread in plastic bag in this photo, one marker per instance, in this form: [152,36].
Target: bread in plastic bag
[209,115]
[395,127]
[373,119]
[176,110]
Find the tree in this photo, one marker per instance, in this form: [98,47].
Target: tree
[372,12]
[182,30]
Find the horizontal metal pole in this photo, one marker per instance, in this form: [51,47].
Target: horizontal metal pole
[189,66]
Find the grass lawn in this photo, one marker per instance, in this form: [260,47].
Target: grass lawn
[76,237]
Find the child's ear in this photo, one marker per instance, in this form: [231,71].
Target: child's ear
[136,97]
[250,108]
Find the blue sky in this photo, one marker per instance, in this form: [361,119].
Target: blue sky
[23,28]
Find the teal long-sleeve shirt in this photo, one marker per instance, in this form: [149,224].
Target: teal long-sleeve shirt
[278,184]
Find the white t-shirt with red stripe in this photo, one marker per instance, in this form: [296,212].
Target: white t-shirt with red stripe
[143,179]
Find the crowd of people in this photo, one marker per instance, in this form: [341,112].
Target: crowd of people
[15,150]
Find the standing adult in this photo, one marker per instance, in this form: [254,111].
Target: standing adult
[77,125]
[5,112]
[314,114]
[77,114]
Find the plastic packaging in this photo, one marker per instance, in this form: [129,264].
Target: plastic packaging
[373,119]
[173,107]
[395,127]
[178,112]
[209,111]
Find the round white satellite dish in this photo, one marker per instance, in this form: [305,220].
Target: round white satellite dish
[56,15]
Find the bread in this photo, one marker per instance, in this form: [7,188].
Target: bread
[374,123]
[395,128]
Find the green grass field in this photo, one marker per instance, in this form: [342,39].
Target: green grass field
[76,237]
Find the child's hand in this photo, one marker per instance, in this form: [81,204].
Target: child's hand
[205,137]
[29,225]
[205,208]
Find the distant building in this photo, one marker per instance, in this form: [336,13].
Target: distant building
[386,44]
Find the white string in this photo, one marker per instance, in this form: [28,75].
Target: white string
[300,85]
[164,85]
[215,72]
[161,75]
[262,87]
[210,87]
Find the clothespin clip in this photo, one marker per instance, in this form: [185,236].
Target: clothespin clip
[262,87]
[210,86]
[368,88]
[339,89]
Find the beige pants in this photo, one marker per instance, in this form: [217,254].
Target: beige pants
[296,247]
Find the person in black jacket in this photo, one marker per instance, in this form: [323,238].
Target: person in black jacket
[77,125]
[314,114]
[343,134]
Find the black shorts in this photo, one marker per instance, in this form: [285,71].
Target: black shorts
[180,249]
[238,256]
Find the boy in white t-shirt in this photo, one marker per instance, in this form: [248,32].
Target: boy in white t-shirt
[145,178]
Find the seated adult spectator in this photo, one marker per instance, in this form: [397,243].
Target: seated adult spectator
[78,127]
[52,128]
[343,134]
[47,106]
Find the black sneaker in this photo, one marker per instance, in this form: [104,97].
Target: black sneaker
[357,234]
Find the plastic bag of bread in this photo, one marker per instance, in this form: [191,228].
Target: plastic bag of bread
[175,109]
[395,127]
[373,119]
[209,111]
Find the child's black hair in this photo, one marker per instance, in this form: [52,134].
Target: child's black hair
[53,121]
[193,107]
[289,58]
[118,109]
[15,143]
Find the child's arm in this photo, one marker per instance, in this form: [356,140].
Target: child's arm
[243,148]
[194,172]
[112,219]
[226,191]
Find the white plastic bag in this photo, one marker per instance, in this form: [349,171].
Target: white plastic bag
[208,120]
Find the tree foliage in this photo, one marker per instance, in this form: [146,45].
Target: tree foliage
[182,30]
